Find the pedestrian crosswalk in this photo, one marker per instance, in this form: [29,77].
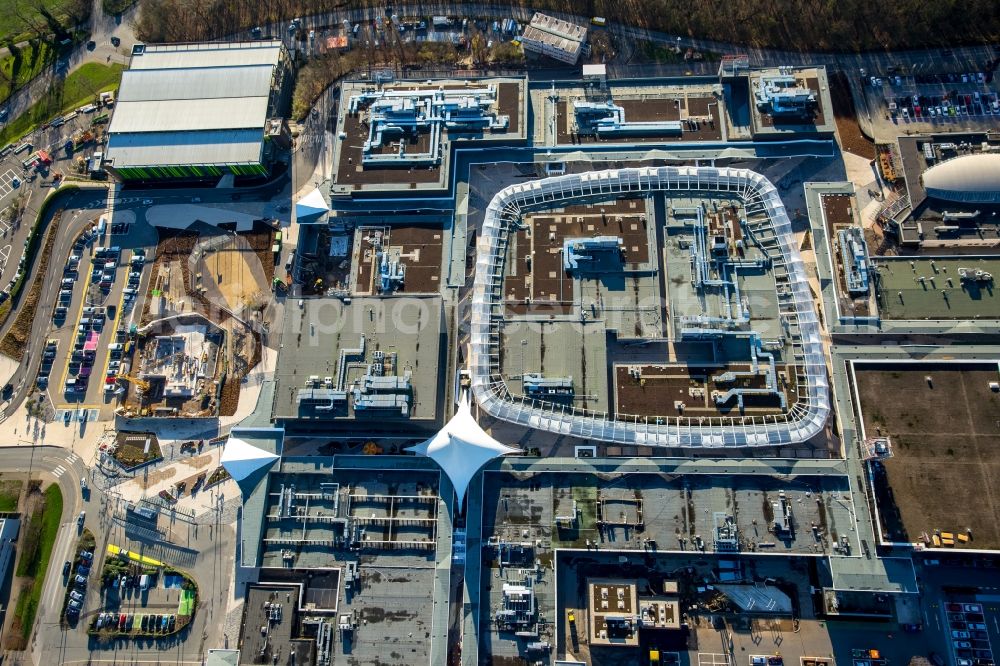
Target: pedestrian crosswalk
[72,458]
[58,471]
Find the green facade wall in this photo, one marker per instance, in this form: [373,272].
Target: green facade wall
[181,171]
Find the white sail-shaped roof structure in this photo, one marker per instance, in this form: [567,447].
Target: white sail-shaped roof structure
[310,207]
[461,448]
[241,459]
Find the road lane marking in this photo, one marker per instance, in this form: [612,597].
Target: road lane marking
[6,183]
[58,471]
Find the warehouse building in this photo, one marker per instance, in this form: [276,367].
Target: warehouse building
[196,111]
[555,38]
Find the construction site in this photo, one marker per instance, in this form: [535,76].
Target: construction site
[219,282]
[176,369]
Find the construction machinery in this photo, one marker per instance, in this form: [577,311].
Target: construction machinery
[141,385]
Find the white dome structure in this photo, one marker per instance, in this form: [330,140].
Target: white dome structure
[966,179]
[461,448]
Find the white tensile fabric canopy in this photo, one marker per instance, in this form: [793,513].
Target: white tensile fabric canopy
[461,448]
[311,205]
[241,459]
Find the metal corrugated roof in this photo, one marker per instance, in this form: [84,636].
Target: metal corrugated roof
[195,83]
[194,115]
[169,148]
[211,54]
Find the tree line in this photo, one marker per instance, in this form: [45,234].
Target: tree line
[806,25]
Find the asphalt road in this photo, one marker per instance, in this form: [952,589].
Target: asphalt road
[76,204]
[962,58]
[66,469]
[79,210]
[102,27]
[33,185]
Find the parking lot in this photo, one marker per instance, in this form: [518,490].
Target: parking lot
[102,286]
[936,102]
[7,183]
[970,638]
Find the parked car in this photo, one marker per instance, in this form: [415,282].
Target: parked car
[66,568]
[959,634]
[76,596]
[973,608]
[963,644]
[80,580]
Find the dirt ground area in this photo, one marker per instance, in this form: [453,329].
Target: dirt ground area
[239,272]
[230,398]
[656,388]
[229,272]
[419,249]
[851,138]
[261,241]
[534,260]
[704,110]
[945,435]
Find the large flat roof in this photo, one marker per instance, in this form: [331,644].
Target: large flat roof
[194,104]
[139,85]
[407,329]
[181,115]
[206,54]
[167,148]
